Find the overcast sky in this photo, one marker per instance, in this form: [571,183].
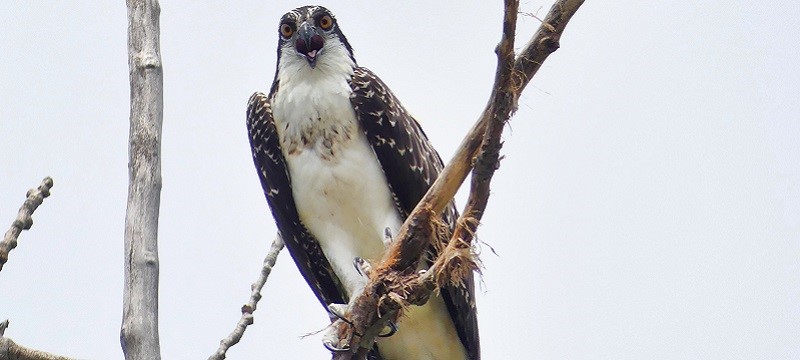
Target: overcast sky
[647,208]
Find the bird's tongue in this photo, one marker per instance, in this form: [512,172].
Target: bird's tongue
[309,48]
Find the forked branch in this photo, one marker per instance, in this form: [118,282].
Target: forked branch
[392,286]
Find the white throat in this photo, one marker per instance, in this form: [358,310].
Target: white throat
[338,185]
[312,108]
[333,60]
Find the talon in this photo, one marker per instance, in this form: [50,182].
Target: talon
[424,271]
[338,311]
[387,236]
[335,349]
[392,330]
[363,267]
[358,263]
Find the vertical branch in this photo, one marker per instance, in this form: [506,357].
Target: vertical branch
[502,105]
[139,332]
[544,42]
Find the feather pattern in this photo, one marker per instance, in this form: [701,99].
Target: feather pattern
[407,161]
[271,168]
[411,165]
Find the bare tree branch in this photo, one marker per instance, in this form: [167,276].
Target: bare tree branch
[24,221]
[543,43]
[139,331]
[392,287]
[9,350]
[255,295]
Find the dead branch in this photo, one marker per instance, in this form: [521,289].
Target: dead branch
[139,331]
[9,350]
[392,286]
[24,221]
[255,295]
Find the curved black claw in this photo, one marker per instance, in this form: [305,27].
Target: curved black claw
[363,267]
[387,236]
[337,310]
[357,262]
[335,349]
[392,330]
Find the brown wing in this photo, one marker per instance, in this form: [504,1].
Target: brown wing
[274,176]
[411,165]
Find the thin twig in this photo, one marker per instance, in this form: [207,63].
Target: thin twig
[255,295]
[24,221]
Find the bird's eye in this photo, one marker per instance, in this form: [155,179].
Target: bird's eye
[287,30]
[325,22]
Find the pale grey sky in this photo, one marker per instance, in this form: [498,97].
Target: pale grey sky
[648,206]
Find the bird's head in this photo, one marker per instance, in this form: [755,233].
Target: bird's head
[310,35]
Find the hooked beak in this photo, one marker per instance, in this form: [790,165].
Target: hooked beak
[308,43]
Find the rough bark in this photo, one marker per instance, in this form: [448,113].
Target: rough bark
[391,288]
[139,331]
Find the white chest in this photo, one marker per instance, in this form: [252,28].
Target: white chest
[341,193]
[343,198]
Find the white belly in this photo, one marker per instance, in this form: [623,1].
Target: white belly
[346,204]
[343,199]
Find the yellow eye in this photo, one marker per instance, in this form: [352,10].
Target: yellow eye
[325,22]
[287,30]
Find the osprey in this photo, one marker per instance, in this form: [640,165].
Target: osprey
[342,164]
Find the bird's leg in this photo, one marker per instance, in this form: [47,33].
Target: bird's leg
[340,313]
[365,268]
[332,340]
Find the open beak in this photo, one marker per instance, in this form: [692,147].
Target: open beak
[308,43]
